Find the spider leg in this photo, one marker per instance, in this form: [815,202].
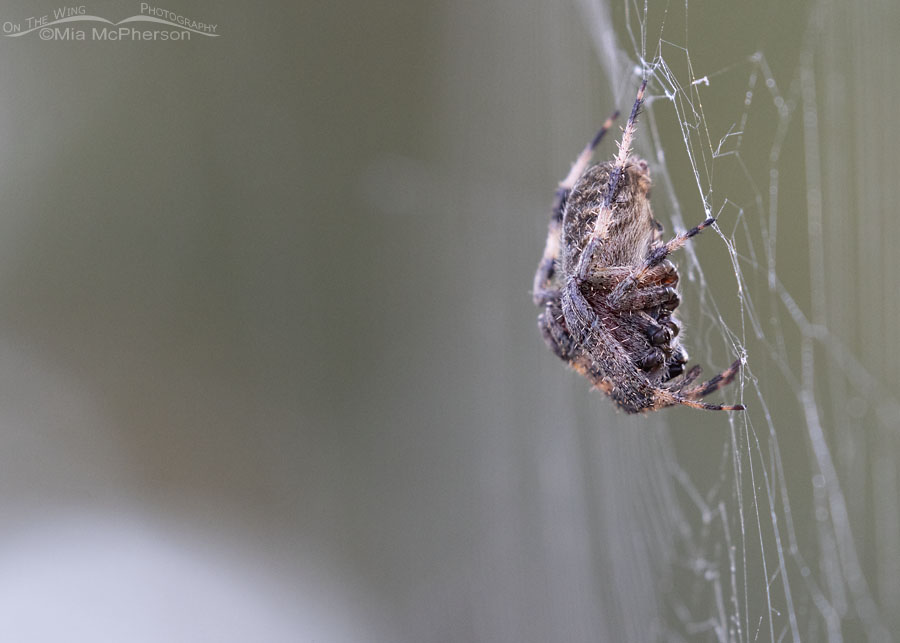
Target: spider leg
[543,278]
[581,163]
[709,407]
[652,360]
[604,217]
[543,290]
[676,365]
[657,232]
[556,335]
[689,377]
[599,351]
[715,383]
[668,398]
[656,257]
[658,331]
[608,277]
[648,297]
[677,395]
[655,291]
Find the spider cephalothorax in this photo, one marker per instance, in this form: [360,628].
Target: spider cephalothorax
[608,289]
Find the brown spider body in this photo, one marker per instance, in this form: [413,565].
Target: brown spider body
[608,290]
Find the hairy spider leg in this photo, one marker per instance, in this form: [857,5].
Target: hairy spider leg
[659,333]
[576,306]
[677,395]
[714,383]
[544,277]
[688,378]
[581,163]
[608,277]
[552,325]
[648,297]
[604,217]
[656,257]
[677,399]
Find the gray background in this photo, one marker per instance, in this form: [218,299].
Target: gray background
[270,368]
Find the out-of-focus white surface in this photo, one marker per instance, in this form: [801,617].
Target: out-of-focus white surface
[85,576]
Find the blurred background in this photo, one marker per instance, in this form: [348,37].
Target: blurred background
[270,367]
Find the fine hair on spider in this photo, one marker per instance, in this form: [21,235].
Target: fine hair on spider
[607,287]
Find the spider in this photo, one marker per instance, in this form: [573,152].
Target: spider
[608,289]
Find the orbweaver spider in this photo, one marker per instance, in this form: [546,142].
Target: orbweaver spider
[608,289]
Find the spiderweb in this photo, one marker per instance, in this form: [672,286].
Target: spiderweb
[779,529]
[777,524]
